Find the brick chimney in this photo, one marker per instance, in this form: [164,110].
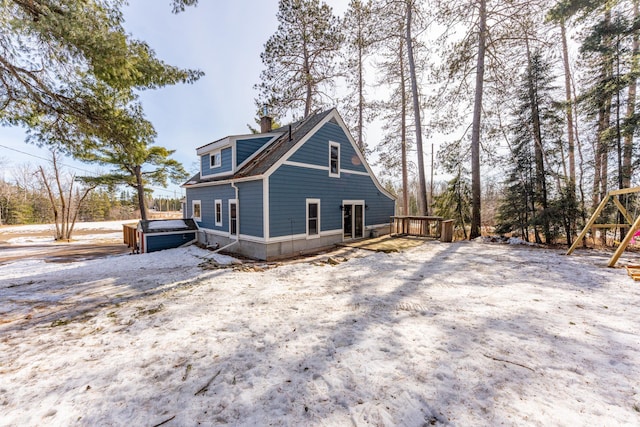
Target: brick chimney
[266,120]
[265,124]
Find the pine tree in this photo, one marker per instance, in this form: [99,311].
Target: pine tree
[362,32]
[536,141]
[300,59]
[135,162]
[393,148]
[58,61]
[423,207]
[401,129]
[455,202]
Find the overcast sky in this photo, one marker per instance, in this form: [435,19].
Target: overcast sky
[222,38]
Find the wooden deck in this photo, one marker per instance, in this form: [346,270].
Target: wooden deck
[387,243]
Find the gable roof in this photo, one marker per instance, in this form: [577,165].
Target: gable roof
[271,156]
[265,159]
[281,146]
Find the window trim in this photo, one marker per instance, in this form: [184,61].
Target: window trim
[311,202]
[215,155]
[216,203]
[336,174]
[193,210]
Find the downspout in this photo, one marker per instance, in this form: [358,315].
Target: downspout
[237,222]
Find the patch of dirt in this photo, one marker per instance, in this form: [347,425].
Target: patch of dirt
[63,252]
[388,243]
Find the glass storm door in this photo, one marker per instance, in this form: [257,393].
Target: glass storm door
[358,222]
[353,220]
[348,222]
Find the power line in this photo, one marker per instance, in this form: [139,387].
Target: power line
[75,167]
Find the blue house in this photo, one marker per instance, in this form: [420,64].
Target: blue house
[283,192]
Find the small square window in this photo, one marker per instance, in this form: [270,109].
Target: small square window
[216,160]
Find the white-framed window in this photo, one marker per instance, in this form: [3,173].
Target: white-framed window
[218,210]
[334,159]
[313,218]
[196,210]
[233,217]
[215,159]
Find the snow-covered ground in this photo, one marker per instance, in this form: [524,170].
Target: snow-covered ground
[460,334]
[38,234]
[78,226]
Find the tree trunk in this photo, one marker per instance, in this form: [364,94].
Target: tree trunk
[360,95]
[403,133]
[54,205]
[307,77]
[568,109]
[604,119]
[604,147]
[631,105]
[422,183]
[81,200]
[63,205]
[140,191]
[571,185]
[475,131]
[581,162]
[597,165]
[540,193]
[67,214]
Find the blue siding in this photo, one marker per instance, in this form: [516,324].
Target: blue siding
[316,150]
[168,241]
[205,161]
[250,205]
[290,186]
[225,160]
[246,147]
[207,197]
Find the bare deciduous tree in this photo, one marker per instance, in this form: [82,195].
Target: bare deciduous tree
[64,197]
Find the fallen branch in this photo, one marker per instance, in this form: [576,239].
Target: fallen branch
[206,386]
[165,421]
[186,372]
[508,361]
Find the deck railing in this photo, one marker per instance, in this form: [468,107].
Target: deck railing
[425,226]
[130,235]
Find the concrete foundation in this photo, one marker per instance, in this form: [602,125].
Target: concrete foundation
[278,250]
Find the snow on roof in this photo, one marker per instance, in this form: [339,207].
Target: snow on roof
[164,224]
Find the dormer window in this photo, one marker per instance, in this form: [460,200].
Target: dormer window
[334,159]
[216,159]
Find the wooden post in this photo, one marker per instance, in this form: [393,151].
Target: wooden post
[624,243]
[623,211]
[589,223]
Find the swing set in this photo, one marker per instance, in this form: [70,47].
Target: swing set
[632,223]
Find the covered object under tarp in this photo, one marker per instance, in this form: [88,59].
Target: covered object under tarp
[158,234]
